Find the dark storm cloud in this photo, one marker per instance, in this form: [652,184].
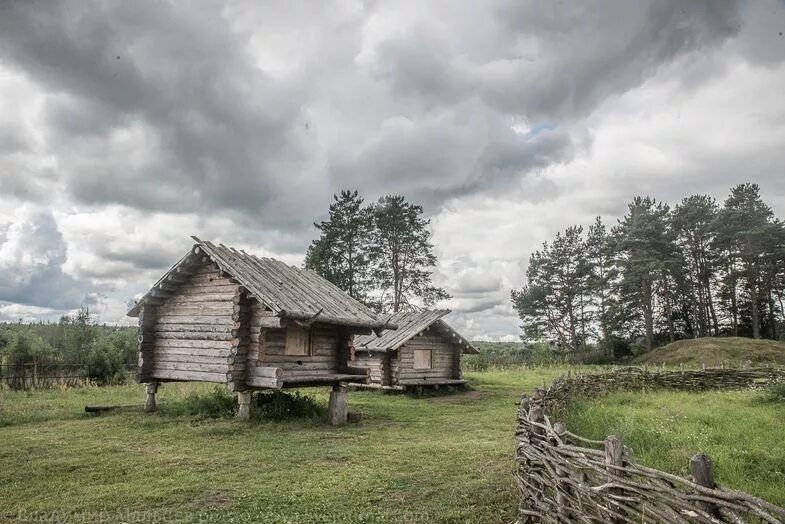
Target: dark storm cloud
[32,253]
[159,106]
[238,120]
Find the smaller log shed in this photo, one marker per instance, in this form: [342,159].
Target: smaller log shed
[225,316]
[423,351]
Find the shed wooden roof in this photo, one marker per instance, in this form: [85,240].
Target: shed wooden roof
[288,291]
[410,324]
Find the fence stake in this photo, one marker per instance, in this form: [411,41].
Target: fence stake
[702,471]
[614,456]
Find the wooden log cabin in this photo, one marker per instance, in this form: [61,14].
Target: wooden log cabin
[423,351]
[225,316]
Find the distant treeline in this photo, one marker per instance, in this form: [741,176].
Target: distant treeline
[73,346]
[661,273]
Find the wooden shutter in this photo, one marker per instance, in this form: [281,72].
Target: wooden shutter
[298,341]
[422,359]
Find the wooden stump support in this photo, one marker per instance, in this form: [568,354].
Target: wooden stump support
[244,405]
[337,410]
[151,388]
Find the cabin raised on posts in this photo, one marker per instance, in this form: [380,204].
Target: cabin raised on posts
[423,351]
[225,316]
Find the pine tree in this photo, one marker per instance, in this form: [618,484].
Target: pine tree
[693,221]
[645,258]
[402,255]
[602,275]
[746,231]
[341,253]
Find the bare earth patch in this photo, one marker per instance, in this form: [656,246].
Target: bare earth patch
[458,397]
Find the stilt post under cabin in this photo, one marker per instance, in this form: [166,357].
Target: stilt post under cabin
[244,405]
[337,410]
[151,388]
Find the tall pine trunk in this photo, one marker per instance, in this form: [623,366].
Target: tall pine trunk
[755,306]
[648,316]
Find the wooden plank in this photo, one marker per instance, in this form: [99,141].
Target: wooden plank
[197,376]
[215,367]
[191,343]
[206,320]
[263,382]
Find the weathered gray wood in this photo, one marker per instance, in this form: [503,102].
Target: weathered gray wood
[263,382]
[266,371]
[702,470]
[151,389]
[337,409]
[169,374]
[243,405]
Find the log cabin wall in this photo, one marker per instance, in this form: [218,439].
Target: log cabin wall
[377,362]
[328,351]
[193,330]
[443,359]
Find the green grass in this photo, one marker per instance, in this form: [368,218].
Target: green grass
[741,431]
[442,459]
[712,351]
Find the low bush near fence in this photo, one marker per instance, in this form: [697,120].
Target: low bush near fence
[565,477]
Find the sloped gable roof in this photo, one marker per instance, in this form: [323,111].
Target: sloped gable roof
[410,324]
[288,291]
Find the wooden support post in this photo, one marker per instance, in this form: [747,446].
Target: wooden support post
[702,471]
[151,388]
[244,405]
[337,410]
[614,456]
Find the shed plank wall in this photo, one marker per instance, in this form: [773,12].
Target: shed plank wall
[376,363]
[443,359]
[193,329]
[268,349]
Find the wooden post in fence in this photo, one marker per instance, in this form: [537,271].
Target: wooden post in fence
[536,413]
[614,456]
[702,471]
[562,488]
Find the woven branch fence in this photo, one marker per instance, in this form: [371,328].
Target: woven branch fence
[564,477]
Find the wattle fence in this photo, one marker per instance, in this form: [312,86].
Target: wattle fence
[564,477]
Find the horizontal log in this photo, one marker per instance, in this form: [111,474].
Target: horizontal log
[205,352]
[191,343]
[215,367]
[196,359]
[443,381]
[199,298]
[170,374]
[330,378]
[204,328]
[224,320]
[265,371]
[263,382]
[223,336]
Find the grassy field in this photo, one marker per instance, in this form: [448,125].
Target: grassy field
[443,459]
[440,459]
[740,430]
[712,351]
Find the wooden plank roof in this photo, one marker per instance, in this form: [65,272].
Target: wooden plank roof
[410,324]
[288,291]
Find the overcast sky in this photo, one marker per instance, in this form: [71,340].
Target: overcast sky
[125,127]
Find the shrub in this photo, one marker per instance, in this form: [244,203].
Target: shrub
[775,390]
[278,405]
[218,403]
[105,363]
